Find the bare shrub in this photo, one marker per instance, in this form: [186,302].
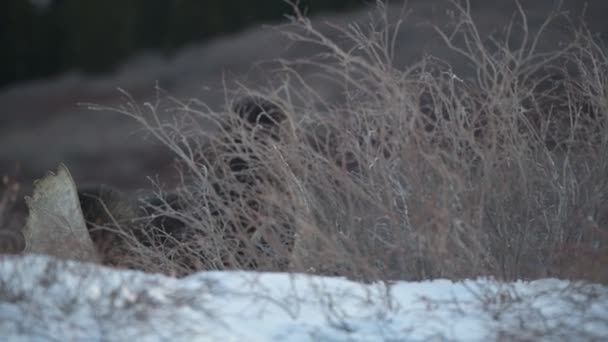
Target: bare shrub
[220,217]
[461,176]
[420,173]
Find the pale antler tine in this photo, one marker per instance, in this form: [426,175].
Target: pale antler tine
[55,225]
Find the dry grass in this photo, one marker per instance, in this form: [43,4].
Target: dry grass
[420,173]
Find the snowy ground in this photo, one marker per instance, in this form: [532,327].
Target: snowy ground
[43,299]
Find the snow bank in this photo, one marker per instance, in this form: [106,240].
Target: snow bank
[46,299]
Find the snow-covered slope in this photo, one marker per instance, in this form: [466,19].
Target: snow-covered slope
[44,299]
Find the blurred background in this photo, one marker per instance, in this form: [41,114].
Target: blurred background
[57,54]
[42,38]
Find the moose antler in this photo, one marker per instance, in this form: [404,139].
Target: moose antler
[55,225]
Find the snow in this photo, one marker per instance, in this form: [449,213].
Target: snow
[46,299]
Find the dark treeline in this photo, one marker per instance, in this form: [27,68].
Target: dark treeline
[94,36]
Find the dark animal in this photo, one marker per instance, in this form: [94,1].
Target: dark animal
[113,217]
